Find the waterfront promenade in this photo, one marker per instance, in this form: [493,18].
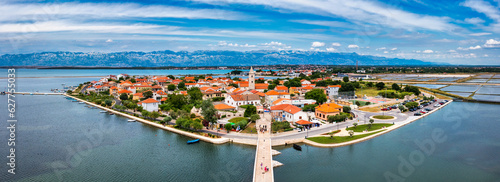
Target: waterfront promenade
[263,154]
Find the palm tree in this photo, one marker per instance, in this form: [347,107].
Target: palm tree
[355,124]
[371,122]
[351,133]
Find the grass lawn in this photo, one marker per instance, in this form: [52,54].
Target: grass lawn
[250,129]
[339,139]
[383,117]
[368,91]
[237,119]
[361,128]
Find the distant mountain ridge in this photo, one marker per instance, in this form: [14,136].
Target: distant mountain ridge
[199,58]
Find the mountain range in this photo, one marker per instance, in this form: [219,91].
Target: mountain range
[198,58]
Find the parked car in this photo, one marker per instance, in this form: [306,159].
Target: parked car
[437,105]
[428,109]
[423,112]
[417,114]
[385,109]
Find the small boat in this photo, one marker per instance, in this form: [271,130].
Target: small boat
[80,102]
[297,147]
[193,141]
[131,120]
[103,111]
[111,113]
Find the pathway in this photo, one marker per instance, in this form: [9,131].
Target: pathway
[263,155]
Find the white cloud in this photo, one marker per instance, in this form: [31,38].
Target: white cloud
[393,49]
[109,40]
[469,48]
[336,44]
[474,21]
[382,48]
[492,43]
[353,46]
[222,43]
[272,43]
[385,52]
[323,23]
[480,34]
[247,45]
[428,51]
[318,44]
[360,11]
[54,11]
[452,51]
[331,49]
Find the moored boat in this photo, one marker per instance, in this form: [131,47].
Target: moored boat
[193,141]
[297,147]
[131,120]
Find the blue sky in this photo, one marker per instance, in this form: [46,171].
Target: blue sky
[456,32]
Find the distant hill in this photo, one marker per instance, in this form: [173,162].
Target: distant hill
[198,58]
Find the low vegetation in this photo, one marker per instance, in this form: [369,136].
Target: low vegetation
[339,139]
[383,117]
[361,128]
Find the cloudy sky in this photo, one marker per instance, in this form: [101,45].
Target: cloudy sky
[457,32]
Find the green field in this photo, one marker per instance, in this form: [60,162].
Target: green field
[237,119]
[339,139]
[361,128]
[383,117]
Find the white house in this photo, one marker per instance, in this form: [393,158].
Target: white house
[239,100]
[149,104]
[272,96]
[288,112]
[332,90]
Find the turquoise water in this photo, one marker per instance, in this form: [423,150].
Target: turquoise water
[104,72]
[468,152]
[60,140]
[432,86]
[461,88]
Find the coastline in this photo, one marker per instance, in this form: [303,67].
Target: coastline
[411,119]
[253,142]
[188,134]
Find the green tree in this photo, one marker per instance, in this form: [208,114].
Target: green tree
[133,80]
[358,103]
[413,89]
[369,84]
[331,119]
[195,94]
[254,117]
[148,94]
[123,96]
[351,133]
[228,127]
[177,100]
[317,94]
[145,113]
[380,85]
[154,115]
[310,107]
[208,111]
[250,110]
[182,85]
[395,87]
[345,79]
[171,87]
[411,104]
[196,125]
[166,119]
[371,123]
[347,109]
[355,124]
[171,77]
[271,86]
[108,102]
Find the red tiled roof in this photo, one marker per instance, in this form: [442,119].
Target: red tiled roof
[150,100]
[287,108]
[303,122]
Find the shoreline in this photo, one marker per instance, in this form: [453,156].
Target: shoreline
[387,130]
[253,142]
[185,133]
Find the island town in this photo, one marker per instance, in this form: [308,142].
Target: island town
[314,107]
